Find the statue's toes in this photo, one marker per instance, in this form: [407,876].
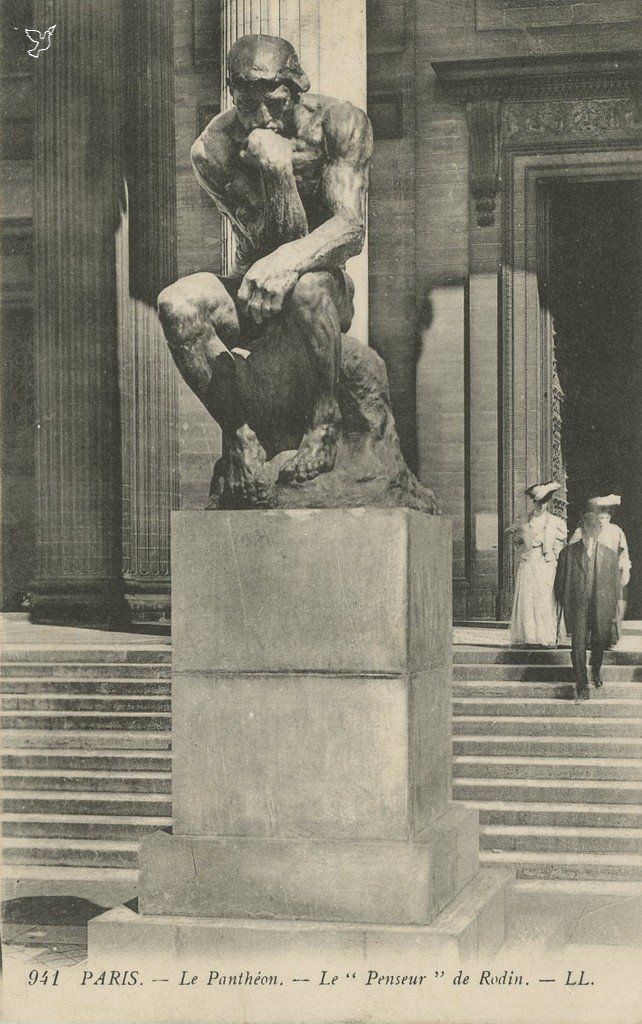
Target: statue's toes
[288,472]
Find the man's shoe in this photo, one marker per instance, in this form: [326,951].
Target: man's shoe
[583,693]
[597,681]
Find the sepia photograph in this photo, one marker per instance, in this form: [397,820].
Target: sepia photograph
[321,512]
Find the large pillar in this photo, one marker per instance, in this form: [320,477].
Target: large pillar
[147,264]
[330,39]
[77,177]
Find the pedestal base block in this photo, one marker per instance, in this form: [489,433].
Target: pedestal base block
[473,925]
[404,882]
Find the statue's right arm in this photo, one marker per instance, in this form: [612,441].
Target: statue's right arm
[209,155]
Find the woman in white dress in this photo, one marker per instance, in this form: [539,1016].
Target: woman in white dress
[538,538]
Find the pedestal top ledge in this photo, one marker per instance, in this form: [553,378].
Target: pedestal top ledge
[357,591]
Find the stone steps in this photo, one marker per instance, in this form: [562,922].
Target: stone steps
[493,767]
[507,689]
[120,721]
[69,760]
[133,705]
[105,853]
[591,791]
[466,655]
[570,866]
[548,707]
[568,814]
[560,839]
[538,673]
[86,826]
[547,746]
[574,724]
[129,686]
[90,740]
[84,655]
[105,781]
[28,802]
[558,785]
[80,669]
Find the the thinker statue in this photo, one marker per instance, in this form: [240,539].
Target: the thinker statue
[304,410]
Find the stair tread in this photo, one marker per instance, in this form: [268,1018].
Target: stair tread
[586,831]
[524,759]
[576,887]
[73,752]
[551,857]
[65,773]
[528,806]
[551,783]
[507,737]
[77,794]
[73,874]
[47,695]
[99,714]
[42,842]
[524,701]
[91,819]
[544,719]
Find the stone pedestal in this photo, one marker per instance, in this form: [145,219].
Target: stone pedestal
[312,740]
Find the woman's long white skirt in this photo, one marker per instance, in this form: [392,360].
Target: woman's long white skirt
[534,618]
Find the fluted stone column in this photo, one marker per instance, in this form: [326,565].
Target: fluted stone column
[147,264]
[77,180]
[330,39]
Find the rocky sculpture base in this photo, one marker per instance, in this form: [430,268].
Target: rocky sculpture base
[369,470]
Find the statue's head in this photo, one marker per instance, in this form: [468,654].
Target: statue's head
[265,79]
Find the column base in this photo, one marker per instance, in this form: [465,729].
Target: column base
[149,603]
[96,603]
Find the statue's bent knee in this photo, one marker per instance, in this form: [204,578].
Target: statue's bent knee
[311,293]
[182,305]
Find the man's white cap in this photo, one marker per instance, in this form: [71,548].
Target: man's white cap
[540,492]
[606,501]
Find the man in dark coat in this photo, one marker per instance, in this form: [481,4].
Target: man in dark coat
[587,586]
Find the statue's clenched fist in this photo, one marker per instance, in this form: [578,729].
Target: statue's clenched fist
[265,287]
[268,150]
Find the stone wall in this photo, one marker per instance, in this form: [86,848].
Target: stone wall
[433,271]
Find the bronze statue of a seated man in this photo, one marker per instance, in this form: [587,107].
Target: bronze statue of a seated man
[262,348]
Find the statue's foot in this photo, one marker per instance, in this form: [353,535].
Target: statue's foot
[317,453]
[240,478]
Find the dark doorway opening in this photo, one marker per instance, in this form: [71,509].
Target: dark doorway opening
[595,301]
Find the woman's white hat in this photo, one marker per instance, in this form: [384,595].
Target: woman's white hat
[540,492]
[606,501]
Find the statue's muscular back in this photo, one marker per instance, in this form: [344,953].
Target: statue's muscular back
[324,129]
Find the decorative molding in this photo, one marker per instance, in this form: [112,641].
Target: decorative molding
[578,118]
[519,100]
[483,138]
[572,75]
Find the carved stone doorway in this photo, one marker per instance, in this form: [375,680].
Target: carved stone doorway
[560,205]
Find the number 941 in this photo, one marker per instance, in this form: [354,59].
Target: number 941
[43,977]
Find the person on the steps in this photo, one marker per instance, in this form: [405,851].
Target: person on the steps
[539,538]
[587,585]
[614,538]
